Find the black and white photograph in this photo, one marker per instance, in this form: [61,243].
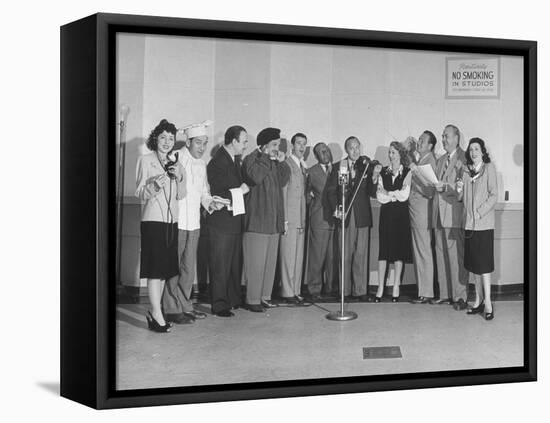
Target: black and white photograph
[290,211]
[275,211]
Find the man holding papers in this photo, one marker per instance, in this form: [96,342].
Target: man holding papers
[225,225]
[420,208]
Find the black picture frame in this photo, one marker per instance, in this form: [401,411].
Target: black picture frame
[88,117]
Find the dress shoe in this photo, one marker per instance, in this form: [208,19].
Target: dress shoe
[268,304]
[153,325]
[290,300]
[441,301]
[256,308]
[364,298]
[395,299]
[377,299]
[299,299]
[235,307]
[420,300]
[460,305]
[312,298]
[225,313]
[491,314]
[476,310]
[194,314]
[179,318]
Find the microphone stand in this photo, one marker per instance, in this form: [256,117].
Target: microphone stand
[120,189]
[341,315]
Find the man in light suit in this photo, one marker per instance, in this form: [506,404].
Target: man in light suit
[320,266]
[292,240]
[447,218]
[420,208]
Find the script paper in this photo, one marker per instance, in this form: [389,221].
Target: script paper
[237,201]
[427,172]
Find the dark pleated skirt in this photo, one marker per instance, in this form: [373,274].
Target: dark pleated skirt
[479,256]
[159,250]
[395,243]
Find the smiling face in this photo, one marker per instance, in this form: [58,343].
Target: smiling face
[449,139]
[394,156]
[353,149]
[165,142]
[197,146]
[272,147]
[475,152]
[323,154]
[299,147]
[424,145]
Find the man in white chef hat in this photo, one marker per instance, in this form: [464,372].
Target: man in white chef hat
[176,300]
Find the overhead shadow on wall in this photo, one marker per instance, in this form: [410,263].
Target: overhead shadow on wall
[517,154]
[337,151]
[381,154]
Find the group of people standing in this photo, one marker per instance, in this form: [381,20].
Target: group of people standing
[257,210]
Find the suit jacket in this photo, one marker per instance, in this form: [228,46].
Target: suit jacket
[447,205]
[365,190]
[224,174]
[421,197]
[294,196]
[319,209]
[264,203]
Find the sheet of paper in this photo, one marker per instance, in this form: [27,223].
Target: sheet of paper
[427,173]
[237,201]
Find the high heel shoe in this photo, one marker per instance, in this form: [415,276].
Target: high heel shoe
[155,326]
[476,310]
[490,315]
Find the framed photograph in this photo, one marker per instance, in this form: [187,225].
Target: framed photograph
[258,211]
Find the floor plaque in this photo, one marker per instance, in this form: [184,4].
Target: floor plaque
[381,352]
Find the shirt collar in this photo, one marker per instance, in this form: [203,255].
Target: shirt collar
[296,160]
[229,152]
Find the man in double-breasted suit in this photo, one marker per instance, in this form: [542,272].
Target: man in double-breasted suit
[420,213]
[358,218]
[447,219]
[320,260]
[291,246]
[225,228]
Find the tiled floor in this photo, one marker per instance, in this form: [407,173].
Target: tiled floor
[299,342]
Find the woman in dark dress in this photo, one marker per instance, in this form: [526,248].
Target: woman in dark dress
[393,191]
[478,190]
[160,184]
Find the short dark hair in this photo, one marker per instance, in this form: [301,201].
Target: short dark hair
[233,133]
[164,125]
[349,139]
[297,135]
[485,155]
[316,149]
[431,138]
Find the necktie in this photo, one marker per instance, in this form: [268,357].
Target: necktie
[446,166]
[352,170]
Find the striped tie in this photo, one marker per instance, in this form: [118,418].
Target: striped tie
[446,166]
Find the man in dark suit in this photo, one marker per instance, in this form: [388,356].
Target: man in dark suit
[320,260]
[358,219]
[225,226]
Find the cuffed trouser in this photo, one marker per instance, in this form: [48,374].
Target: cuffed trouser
[320,261]
[452,277]
[292,258]
[176,298]
[260,260]
[225,266]
[423,261]
[355,259]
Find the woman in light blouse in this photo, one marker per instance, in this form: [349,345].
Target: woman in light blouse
[160,184]
[479,192]
[393,191]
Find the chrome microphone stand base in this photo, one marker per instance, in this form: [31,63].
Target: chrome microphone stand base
[341,316]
